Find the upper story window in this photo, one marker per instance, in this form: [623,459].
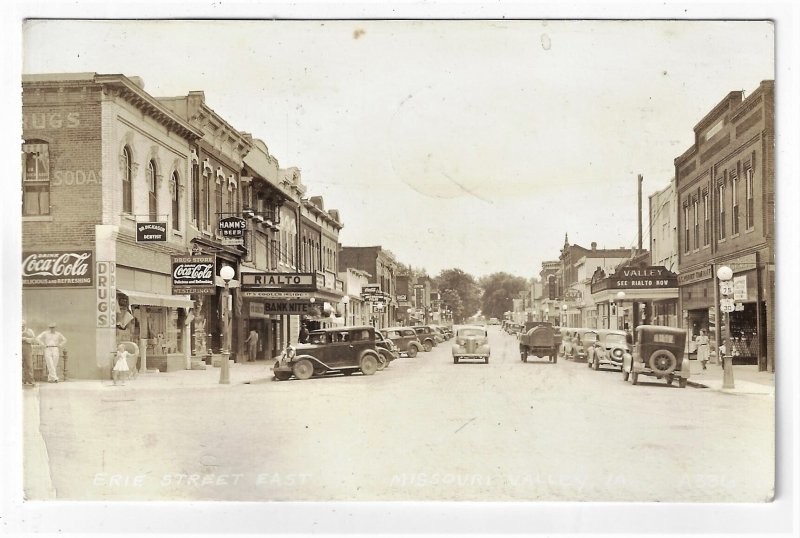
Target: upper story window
[195,192]
[750,201]
[706,220]
[35,179]
[152,190]
[721,203]
[696,224]
[206,202]
[735,204]
[127,180]
[174,187]
[686,227]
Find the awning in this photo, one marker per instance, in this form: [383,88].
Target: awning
[156,299]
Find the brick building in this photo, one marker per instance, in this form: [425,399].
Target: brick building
[381,264]
[726,216]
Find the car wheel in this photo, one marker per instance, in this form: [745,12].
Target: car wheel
[427,346]
[663,362]
[369,364]
[486,360]
[634,378]
[282,376]
[382,362]
[455,360]
[412,351]
[596,364]
[682,382]
[303,369]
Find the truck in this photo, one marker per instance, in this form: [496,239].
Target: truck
[538,338]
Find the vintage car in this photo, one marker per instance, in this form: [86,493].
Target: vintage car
[514,329]
[342,349]
[405,338]
[427,336]
[442,332]
[539,340]
[386,349]
[659,352]
[609,349]
[565,347]
[582,340]
[471,342]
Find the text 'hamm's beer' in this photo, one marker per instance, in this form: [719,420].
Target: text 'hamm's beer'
[61,268]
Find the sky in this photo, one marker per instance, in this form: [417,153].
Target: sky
[469,144]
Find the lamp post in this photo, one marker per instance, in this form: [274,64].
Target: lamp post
[725,274]
[345,300]
[564,310]
[620,298]
[226,273]
[547,314]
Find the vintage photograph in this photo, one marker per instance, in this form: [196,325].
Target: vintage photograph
[398,260]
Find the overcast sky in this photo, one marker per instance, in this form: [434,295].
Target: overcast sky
[464,144]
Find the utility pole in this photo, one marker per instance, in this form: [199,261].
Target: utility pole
[639,214]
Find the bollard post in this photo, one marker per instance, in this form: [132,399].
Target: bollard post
[64,360]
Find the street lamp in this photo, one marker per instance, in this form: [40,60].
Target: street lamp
[345,300]
[564,319]
[547,314]
[226,273]
[620,298]
[725,274]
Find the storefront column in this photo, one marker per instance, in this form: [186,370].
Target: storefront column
[106,290]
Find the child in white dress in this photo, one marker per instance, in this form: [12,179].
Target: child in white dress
[121,370]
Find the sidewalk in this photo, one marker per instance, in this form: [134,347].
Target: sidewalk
[746,379]
[248,372]
[36,481]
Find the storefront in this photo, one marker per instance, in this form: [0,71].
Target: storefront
[635,296]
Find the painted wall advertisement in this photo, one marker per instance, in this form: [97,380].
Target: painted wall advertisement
[58,269]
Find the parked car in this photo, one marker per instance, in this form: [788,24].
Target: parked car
[494,321]
[471,342]
[387,351]
[514,329]
[442,332]
[427,336]
[539,341]
[582,340]
[659,352]
[567,333]
[608,350]
[342,349]
[405,338]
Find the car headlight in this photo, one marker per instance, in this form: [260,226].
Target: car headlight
[618,352]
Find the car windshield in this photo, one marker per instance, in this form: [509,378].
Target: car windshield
[616,339]
[471,332]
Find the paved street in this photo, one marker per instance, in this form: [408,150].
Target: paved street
[424,429]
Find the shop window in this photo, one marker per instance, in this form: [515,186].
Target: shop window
[35,179]
[749,208]
[174,187]
[152,190]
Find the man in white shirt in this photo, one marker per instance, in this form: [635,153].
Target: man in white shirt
[52,341]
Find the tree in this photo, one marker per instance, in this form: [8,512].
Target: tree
[452,300]
[499,292]
[464,284]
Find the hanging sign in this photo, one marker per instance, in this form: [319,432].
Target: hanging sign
[151,232]
[193,275]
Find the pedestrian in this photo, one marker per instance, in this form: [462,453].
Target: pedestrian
[252,345]
[52,340]
[28,339]
[121,370]
[703,351]
[303,334]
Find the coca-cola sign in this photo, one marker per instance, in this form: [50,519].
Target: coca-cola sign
[193,275]
[58,269]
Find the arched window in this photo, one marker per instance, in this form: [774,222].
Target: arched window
[152,189]
[173,187]
[127,181]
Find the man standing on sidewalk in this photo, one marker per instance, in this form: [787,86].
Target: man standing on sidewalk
[52,341]
[28,339]
[252,345]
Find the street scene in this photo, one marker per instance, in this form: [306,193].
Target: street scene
[528,260]
[506,430]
